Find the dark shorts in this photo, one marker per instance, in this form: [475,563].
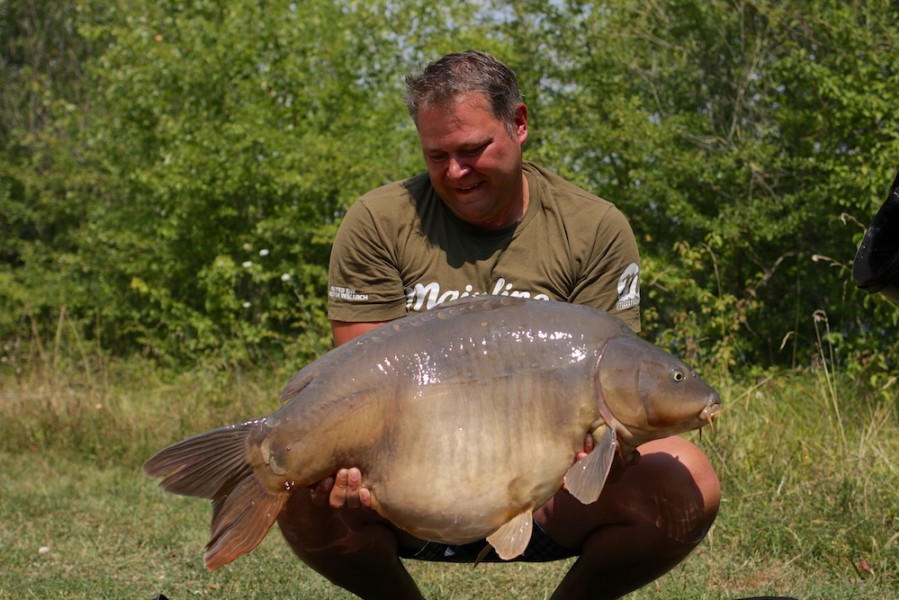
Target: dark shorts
[541,548]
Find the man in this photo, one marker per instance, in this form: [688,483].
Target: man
[481,220]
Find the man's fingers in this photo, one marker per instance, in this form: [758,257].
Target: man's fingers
[353,481]
[589,444]
[338,497]
[348,491]
[365,497]
[343,490]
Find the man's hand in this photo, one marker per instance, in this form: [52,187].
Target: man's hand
[589,444]
[344,490]
[618,465]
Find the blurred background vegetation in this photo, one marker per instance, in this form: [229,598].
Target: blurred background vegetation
[172,173]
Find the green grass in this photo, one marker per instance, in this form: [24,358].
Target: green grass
[809,463]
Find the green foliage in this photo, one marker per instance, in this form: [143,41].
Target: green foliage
[230,154]
[746,141]
[171,176]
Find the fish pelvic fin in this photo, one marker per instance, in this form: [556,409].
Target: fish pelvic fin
[586,478]
[512,538]
[214,465]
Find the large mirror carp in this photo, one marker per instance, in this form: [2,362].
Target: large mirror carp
[494,395]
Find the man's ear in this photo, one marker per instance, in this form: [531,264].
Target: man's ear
[521,123]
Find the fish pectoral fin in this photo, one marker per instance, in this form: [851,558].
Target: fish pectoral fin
[586,478]
[511,539]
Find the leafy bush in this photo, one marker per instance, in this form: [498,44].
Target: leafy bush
[172,175]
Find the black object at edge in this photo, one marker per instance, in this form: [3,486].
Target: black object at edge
[876,266]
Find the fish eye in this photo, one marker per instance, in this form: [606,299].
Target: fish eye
[677,375]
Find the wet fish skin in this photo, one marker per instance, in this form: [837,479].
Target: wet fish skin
[463,421]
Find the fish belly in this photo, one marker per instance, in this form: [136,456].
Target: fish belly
[466,463]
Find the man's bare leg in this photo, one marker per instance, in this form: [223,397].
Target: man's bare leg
[646,521]
[353,548]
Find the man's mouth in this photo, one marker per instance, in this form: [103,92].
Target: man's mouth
[465,189]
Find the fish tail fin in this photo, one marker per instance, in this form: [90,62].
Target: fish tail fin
[214,465]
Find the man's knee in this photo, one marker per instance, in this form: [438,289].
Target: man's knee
[684,490]
[696,467]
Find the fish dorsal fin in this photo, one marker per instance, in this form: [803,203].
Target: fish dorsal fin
[587,476]
[511,539]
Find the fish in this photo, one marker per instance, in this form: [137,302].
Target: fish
[495,394]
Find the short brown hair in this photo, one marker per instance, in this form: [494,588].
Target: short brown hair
[443,80]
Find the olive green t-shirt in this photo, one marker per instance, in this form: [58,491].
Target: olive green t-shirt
[400,250]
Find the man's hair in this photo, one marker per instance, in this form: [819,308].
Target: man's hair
[442,81]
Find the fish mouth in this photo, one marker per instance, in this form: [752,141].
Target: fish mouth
[710,411]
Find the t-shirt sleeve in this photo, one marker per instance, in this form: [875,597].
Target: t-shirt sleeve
[610,270]
[364,283]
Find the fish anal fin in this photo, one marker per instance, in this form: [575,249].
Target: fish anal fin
[511,539]
[586,478]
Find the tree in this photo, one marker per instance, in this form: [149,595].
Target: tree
[221,143]
[173,174]
[736,135]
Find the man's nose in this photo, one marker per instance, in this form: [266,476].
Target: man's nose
[457,168]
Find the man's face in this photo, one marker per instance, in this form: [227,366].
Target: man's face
[473,162]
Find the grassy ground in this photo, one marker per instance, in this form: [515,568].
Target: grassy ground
[809,464]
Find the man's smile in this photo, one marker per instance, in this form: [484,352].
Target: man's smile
[464,189]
